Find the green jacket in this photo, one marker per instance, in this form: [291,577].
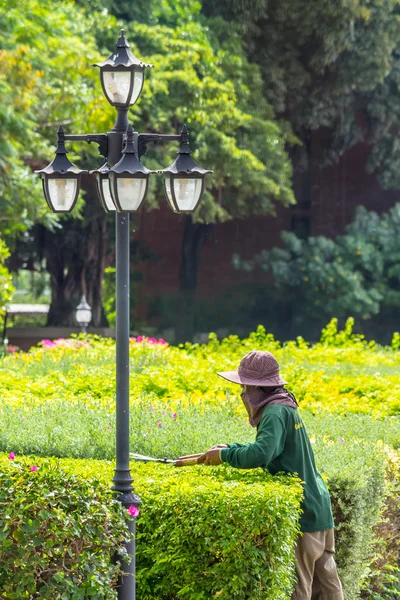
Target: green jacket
[282,444]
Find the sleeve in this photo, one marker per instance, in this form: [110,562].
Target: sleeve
[269,444]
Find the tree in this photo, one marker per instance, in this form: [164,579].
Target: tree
[202,78]
[327,65]
[46,79]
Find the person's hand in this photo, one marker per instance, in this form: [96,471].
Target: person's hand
[211,457]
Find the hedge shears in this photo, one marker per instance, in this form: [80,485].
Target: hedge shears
[183,461]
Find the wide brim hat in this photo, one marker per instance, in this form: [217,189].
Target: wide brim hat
[256,368]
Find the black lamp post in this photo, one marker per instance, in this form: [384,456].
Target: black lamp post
[122,184]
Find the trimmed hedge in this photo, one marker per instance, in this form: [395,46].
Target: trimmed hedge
[58,533]
[216,533]
[202,533]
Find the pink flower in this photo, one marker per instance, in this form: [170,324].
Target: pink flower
[159,424]
[11,456]
[34,468]
[140,338]
[48,344]
[152,408]
[174,416]
[133,510]
[108,427]
[341,440]
[163,412]
[163,342]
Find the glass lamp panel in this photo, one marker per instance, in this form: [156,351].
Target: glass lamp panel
[62,193]
[105,187]
[117,85]
[168,192]
[137,86]
[187,193]
[130,192]
[83,316]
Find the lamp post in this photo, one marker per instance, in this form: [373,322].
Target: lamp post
[122,184]
[83,314]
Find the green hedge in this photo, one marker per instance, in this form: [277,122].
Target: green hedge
[202,533]
[356,481]
[58,532]
[216,533]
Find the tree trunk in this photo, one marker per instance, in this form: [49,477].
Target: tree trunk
[75,257]
[194,238]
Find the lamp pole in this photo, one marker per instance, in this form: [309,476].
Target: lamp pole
[122,481]
[122,184]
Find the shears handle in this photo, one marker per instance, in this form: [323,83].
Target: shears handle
[187,461]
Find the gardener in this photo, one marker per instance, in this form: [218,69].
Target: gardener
[282,444]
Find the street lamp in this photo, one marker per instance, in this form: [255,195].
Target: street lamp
[184,179]
[83,314]
[61,179]
[129,179]
[122,184]
[122,75]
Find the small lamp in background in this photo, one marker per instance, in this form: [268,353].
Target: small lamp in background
[83,314]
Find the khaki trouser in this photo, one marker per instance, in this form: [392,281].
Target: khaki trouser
[317,577]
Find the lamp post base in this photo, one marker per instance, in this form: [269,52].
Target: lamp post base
[126,587]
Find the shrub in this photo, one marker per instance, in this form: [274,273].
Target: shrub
[58,533]
[59,399]
[356,273]
[356,481]
[322,375]
[201,530]
[216,534]
[202,533]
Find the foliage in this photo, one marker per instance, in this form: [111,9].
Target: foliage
[6,288]
[325,65]
[60,527]
[241,526]
[108,294]
[202,77]
[356,273]
[59,532]
[45,55]
[321,375]
[59,399]
[356,480]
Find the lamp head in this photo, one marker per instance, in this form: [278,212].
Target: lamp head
[184,179]
[61,179]
[122,75]
[129,179]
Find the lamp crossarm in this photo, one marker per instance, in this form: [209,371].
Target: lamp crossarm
[97,138]
[154,138]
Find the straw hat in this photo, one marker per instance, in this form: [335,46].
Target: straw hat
[256,368]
